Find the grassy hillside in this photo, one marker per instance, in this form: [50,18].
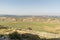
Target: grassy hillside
[36,26]
[42,26]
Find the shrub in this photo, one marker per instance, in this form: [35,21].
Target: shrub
[30,36]
[15,35]
[1,35]
[29,28]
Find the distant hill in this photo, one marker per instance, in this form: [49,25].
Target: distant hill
[23,16]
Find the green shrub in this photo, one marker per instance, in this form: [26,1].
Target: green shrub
[15,35]
[1,35]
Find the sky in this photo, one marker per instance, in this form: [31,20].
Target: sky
[30,7]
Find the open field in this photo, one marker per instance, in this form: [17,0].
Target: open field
[53,25]
[34,25]
[43,27]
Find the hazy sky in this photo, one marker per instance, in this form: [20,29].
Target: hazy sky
[30,7]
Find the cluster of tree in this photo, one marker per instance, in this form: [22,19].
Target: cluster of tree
[26,36]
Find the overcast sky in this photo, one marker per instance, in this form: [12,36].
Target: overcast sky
[30,7]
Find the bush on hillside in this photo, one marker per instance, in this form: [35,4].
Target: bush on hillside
[15,35]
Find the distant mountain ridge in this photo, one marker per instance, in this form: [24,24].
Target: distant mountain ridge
[22,16]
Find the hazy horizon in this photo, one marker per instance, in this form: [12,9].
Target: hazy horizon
[30,7]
